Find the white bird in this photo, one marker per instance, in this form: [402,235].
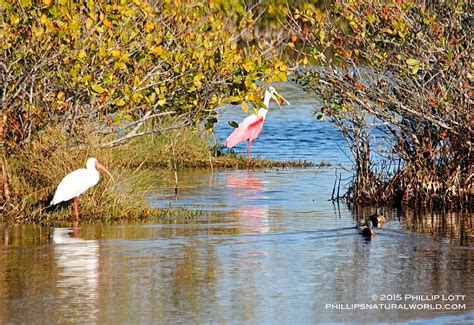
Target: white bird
[252,125]
[77,182]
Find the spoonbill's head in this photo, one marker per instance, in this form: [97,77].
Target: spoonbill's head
[93,163]
[276,96]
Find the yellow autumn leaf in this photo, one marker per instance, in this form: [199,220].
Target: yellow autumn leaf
[120,102]
[248,66]
[107,23]
[245,107]
[233,99]
[281,66]
[89,23]
[197,79]
[44,20]
[82,54]
[120,65]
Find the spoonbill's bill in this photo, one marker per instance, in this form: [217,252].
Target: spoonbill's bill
[77,182]
[252,125]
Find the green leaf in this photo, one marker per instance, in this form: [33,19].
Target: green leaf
[233,124]
[85,78]
[415,69]
[371,19]
[412,62]
[98,89]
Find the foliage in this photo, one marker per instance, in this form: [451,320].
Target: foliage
[118,62]
[403,67]
[35,172]
[136,166]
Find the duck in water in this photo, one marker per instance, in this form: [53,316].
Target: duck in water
[378,218]
[366,229]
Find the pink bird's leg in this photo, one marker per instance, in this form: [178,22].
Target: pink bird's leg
[76,210]
[248,150]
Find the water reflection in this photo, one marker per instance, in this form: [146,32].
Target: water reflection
[249,190]
[77,261]
[284,276]
[448,227]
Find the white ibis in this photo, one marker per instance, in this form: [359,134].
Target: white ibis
[77,182]
[252,125]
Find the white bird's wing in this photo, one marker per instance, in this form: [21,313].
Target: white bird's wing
[74,184]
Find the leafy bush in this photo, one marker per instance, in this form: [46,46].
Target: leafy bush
[404,67]
[66,63]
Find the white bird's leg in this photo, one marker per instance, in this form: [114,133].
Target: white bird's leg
[75,206]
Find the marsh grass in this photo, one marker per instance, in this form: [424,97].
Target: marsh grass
[188,148]
[35,172]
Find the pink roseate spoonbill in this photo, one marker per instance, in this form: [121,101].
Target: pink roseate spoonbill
[252,125]
[77,182]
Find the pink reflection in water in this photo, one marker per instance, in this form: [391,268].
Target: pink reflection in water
[249,189]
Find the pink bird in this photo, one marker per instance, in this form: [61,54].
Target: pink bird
[252,125]
[77,182]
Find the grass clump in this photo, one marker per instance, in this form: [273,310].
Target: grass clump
[34,173]
[188,148]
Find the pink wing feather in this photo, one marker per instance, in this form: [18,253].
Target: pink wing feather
[249,129]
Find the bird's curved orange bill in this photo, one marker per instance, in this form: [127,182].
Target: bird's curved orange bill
[99,166]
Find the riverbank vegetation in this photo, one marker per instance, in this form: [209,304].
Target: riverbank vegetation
[138,167]
[395,75]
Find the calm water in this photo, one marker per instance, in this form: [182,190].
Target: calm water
[268,247]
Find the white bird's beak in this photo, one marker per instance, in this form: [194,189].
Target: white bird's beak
[99,166]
